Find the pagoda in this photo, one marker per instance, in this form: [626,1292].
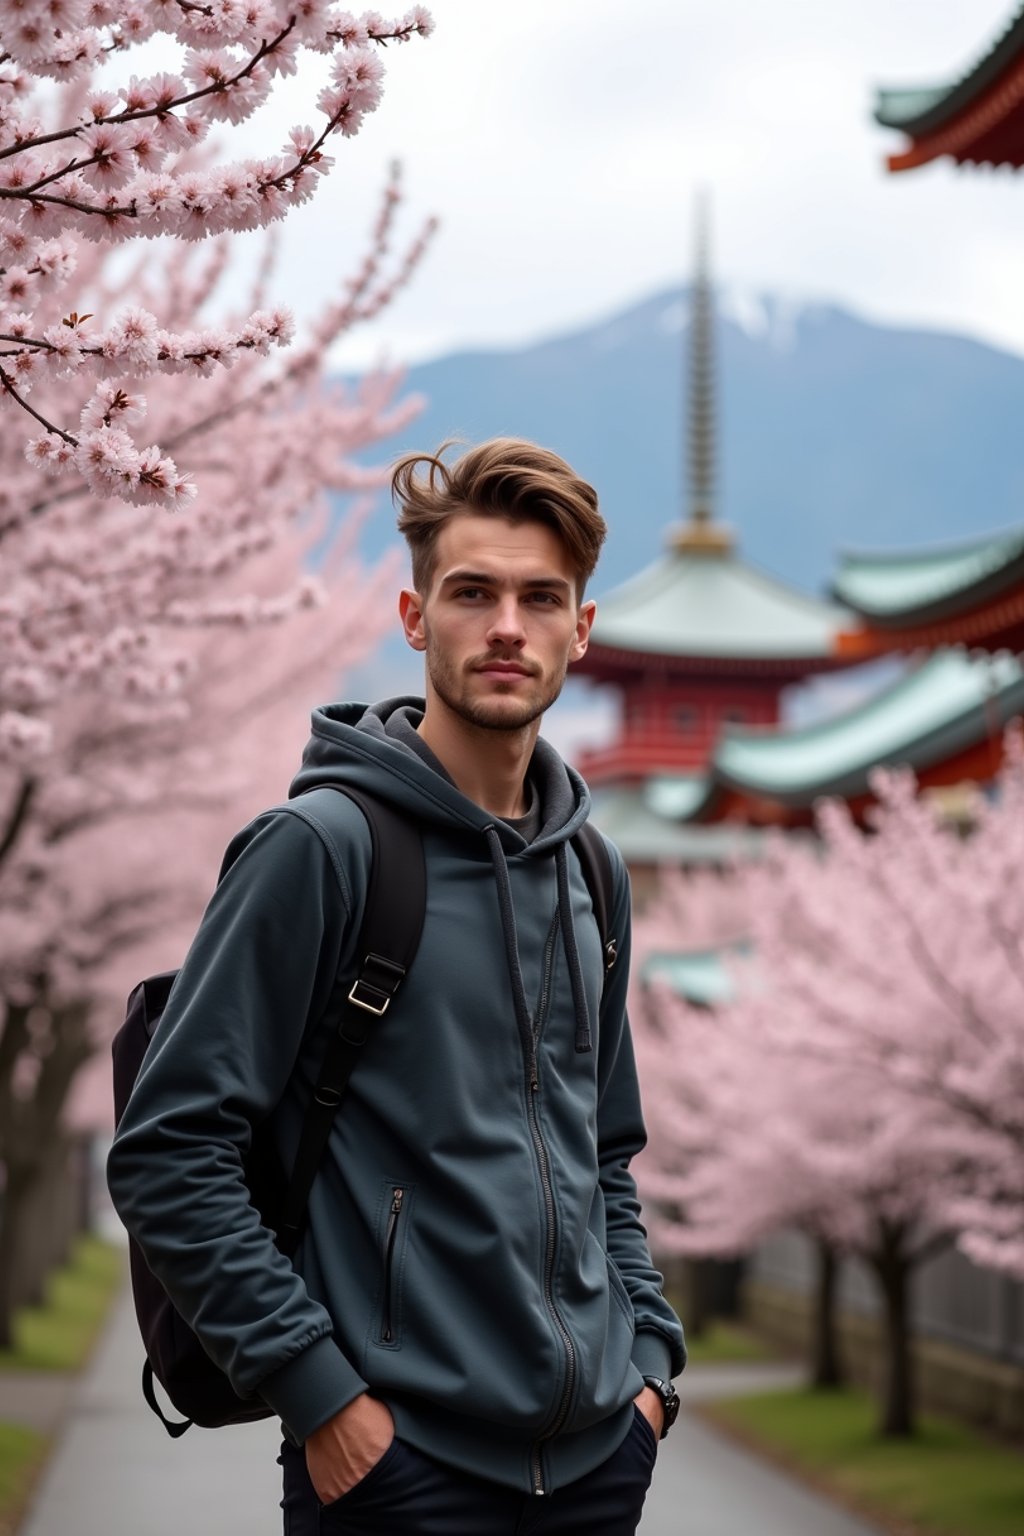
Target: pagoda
[699,639]
[977,119]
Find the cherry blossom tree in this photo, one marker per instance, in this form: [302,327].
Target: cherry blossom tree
[86,159]
[120,849]
[690,912]
[118,629]
[866,1084]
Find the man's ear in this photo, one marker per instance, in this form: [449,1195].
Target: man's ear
[581,639]
[410,611]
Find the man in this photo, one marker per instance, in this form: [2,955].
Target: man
[472,1338]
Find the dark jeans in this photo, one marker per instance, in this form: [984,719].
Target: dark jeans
[410,1494]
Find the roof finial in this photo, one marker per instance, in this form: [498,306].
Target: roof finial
[701,532]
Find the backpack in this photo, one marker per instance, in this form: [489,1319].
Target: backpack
[388,940]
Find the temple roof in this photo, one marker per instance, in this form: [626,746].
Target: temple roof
[922,110]
[711,604]
[915,587]
[646,835]
[937,710]
[972,117]
[701,976]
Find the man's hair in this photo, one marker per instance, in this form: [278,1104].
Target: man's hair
[506,477]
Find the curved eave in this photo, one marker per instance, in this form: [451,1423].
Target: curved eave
[962,580]
[611,662]
[712,612]
[988,129]
[970,721]
[924,111]
[643,837]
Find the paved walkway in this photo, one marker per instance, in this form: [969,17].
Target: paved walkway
[116,1473]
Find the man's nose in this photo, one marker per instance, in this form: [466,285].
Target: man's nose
[506,627]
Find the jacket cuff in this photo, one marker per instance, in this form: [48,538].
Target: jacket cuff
[311,1388]
[652,1355]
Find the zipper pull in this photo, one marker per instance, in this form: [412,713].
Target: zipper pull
[398,1196]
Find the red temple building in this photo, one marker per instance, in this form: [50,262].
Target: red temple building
[977,119]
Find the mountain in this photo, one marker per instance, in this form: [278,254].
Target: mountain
[834,431]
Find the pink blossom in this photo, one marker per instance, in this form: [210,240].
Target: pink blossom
[108,461]
[23,738]
[110,402]
[110,146]
[49,452]
[15,285]
[130,344]
[350,29]
[100,104]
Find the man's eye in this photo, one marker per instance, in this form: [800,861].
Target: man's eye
[471,592]
[544,597]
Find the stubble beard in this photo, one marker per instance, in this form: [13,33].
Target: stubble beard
[500,713]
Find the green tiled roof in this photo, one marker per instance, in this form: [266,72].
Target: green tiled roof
[922,111]
[944,706]
[645,837]
[917,586]
[702,977]
[713,605]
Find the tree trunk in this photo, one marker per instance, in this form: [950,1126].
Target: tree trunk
[893,1268]
[16,1202]
[698,1311]
[826,1367]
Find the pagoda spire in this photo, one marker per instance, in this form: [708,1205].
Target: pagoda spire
[700,533]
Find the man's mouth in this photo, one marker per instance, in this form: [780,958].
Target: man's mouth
[503,669]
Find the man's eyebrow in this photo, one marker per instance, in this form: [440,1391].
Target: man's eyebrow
[489,579]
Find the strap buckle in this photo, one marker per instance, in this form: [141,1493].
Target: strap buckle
[377,1009]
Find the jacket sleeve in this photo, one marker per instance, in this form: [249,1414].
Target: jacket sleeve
[261,968]
[658,1348]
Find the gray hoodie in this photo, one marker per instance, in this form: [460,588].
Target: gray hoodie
[474,1255]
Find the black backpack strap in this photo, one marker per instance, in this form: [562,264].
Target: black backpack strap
[396,901]
[174,1427]
[597,872]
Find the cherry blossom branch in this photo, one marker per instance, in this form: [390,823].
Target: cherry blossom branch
[18,817]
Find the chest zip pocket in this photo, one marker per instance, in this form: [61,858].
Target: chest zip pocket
[389,1307]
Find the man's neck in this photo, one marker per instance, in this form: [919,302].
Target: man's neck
[488,767]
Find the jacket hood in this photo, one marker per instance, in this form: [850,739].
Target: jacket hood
[350,744]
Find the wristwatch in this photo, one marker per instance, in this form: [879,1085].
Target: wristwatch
[669,1400]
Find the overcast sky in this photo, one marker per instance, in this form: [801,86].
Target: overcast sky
[561,142]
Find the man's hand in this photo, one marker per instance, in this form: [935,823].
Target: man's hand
[341,1452]
[653,1410]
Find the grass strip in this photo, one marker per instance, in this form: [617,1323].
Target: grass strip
[723,1343]
[949,1480]
[21,1457]
[60,1334]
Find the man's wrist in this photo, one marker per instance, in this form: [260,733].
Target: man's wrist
[667,1398]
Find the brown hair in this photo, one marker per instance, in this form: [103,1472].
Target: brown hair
[506,477]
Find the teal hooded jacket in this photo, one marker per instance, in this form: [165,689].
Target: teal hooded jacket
[474,1253]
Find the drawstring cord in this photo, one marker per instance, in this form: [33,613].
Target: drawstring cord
[508,928]
[583,1039]
[572,954]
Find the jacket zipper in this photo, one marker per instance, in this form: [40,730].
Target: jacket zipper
[544,1166]
[544,1001]
[386,1329]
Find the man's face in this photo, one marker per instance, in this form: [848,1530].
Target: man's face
[500,623]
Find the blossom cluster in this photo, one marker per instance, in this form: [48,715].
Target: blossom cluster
[119,165]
